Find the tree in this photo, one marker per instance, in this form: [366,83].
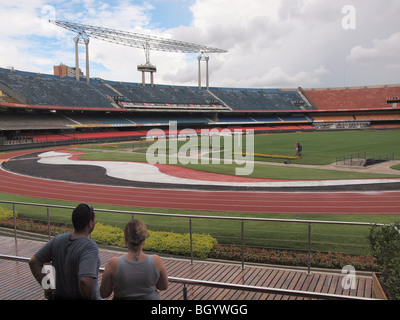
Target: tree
[385,247]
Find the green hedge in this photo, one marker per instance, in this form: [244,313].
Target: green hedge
[6,214]
[161,242]
[108,235]
[179,244]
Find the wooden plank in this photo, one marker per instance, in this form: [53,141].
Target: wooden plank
[207,273]
[291,280]
[361,289]
[286,276]
[267,273]
[327,284]
[314,282]
[339,287]
[255,282]
[215,292]
[367,288]
[293,284]
[334,284]
[18,283]
[252,281]
[200,291]
[274,281]
[231,278]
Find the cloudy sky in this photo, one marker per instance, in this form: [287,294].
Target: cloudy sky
[270,43]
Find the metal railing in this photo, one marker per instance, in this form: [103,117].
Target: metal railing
[352,159]
[361,159]
[192,217]
[231,286]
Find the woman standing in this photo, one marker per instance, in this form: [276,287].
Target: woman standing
[134,275]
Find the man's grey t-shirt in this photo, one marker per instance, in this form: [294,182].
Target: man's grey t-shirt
[72,258]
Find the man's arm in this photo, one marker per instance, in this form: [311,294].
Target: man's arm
[86,286]
[36,267]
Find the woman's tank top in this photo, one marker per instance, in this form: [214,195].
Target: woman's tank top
[136,279]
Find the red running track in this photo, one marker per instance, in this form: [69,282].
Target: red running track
[256,202]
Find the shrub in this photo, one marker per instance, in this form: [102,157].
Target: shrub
[108,235]
[32,226]
[293,258]
[162,242]
[6,214]
[179,244]
[385,246]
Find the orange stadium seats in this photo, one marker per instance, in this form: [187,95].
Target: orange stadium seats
[353,98]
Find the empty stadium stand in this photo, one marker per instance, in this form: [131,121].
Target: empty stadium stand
[44,108]
[353,98]
[261,99]
[39,90]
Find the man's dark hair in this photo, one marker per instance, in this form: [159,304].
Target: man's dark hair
[81,216]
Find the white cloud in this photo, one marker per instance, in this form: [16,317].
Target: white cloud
[385,50]
[271,43]
[283,42]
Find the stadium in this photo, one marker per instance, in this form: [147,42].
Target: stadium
[68,139]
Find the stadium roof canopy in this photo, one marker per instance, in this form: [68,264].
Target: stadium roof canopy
[132,39]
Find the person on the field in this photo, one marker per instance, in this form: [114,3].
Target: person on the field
[135,275]
[299,148]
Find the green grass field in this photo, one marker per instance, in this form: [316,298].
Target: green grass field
[319,148]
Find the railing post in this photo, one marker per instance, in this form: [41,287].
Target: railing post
[242,245]
[15,223]
[191,241]
[48,223]
[184,292]
[309,250]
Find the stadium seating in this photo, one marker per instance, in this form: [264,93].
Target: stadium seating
[33,122]
[353,98]
[332,117]
[265,119]
[235,119]
[377,116]
[260,100]
[114,120]
[39,90]
[162,94]
[49,90]
[294,118]
[48,108]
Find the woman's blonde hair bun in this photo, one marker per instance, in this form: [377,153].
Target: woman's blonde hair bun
[135,233]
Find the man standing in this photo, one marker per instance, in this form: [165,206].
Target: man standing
[74,257]
[299,148]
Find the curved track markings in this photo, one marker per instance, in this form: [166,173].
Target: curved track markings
[191,200]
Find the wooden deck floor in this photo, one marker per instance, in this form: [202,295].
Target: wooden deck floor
[17,283]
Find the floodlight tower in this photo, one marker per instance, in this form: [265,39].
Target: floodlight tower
[81,38]
[137,40]
[147,67]
[205,58]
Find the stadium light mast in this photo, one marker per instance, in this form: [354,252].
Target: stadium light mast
[81,38]
[204,57]
[142,41]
